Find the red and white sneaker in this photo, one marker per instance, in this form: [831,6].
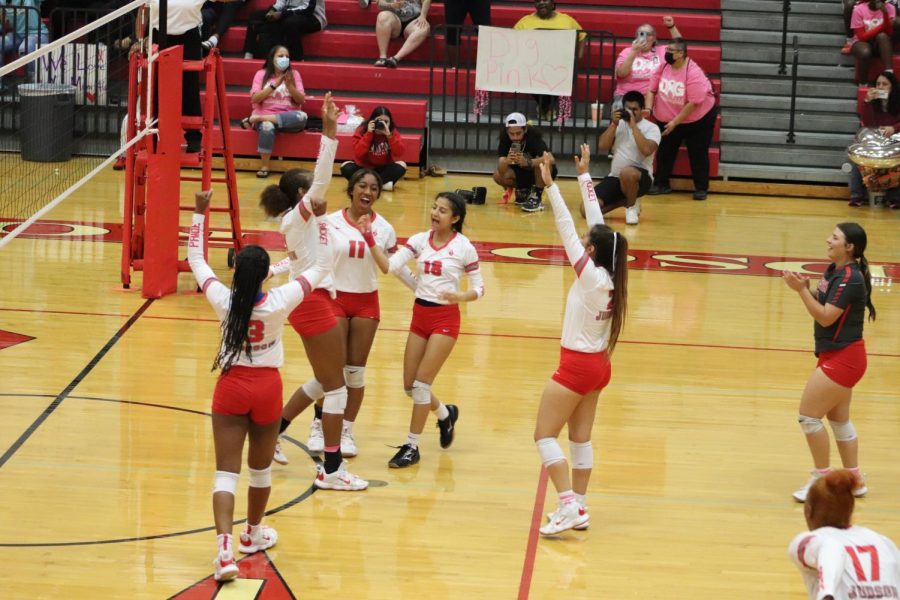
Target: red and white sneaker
[279,456]
[226,567]
[265,538]
[507,194]
[582,510]
[566,517]
[342,480]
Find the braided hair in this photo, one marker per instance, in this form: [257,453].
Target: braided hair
[251,266]
[856,235]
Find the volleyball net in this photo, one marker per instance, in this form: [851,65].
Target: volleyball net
[64,82]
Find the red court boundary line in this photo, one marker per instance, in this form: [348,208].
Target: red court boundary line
[465,333]
[533,535]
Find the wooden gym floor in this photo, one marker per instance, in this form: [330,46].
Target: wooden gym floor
[107,457]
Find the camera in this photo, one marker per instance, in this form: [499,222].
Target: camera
[625,114]
[476,195]
[380,125]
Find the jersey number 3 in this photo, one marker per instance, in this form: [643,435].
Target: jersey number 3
[256,331]
[433,267]
[872,551]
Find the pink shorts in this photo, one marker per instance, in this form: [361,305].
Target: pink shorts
[583,372]
[845,366]
[430,320]
[314,315]
[252,391]
[350,305]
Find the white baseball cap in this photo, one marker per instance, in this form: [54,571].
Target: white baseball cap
[515,119]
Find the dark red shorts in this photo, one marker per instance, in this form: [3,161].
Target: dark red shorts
[583,372]
[349,305]
[252,391]
[441,319]
[314,315]
[845,366]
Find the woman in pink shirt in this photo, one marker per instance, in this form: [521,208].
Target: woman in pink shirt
[681,99]
[872,23]
[276,96]
[636,64]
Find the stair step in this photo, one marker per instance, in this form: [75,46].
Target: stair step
[731,135]
[812,72]
[785,155]
[825,41]
[757,21]
[775,6]
[780,103]
[782,87]
[809,55]
[778,121]
[781,173]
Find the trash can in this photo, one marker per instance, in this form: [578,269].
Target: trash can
[47,121]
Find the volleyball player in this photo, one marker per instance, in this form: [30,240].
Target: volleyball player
[316,323]
[837,559]
[443,254]
[595,313]
[838,307]
[247,398]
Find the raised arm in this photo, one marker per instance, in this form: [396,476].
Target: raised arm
[216,292]
[327,149]
[592,210]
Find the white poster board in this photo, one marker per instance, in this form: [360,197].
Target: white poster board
[532,61]
[83,65]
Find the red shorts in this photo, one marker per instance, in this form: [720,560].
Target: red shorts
[314,315]
[428,320]
[582,372]
[350,305]
[252,391]
[845,366]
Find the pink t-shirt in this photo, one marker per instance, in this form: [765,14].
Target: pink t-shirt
[278,101]
[676,87]
[868,19]
[642,70]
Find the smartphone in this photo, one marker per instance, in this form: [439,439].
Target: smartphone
[642,36]
[882,94]
[516,147]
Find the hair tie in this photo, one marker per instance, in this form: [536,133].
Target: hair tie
[615,238]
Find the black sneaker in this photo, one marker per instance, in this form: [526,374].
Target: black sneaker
[533,202]
[656,190]
[406,457]
[522,196]
[447,426]
[700,194]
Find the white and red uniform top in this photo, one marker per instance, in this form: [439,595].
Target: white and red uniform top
[587,322]
[270,310]
[440,268]
[302,232]
[847,563]
[354,267]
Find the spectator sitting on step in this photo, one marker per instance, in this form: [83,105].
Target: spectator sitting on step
[26,30]
[223,18]
[848,16]
[872,23]
[406,17]
[637,63]
[276,95]
[545,16]
[520,154]
[881,110]
[376,145]
[286,22]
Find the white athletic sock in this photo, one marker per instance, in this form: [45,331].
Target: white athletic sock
[348,426]
[567,497]
[413,439]
[224,541]
[581,498]
[441,411]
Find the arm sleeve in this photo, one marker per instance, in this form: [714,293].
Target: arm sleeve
[654,80]
[257,81]
[361,144]
[592,210]
[324,168]
[845,289]
[473,270]
[588,273]
[406,277]
[282,266]
[298,82]
[397,145]
[698,85]
[403,255]
[214,290]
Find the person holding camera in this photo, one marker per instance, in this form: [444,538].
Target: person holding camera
[681,98]
[881,110]
[634,141]
[376,144]
[637,63]
[286,22]
[521,152]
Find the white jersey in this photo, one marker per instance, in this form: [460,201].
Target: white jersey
[270,310]
[847,563]
[588,318]
[354,267]
[440,269]
[301,238]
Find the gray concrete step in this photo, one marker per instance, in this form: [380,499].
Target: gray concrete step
[781,86]
[809,55]
[782,173]
[812,72]
[775,6]
[773,37]
[829,140]
[758,21]
[832,124]
[784,155]
[779,103]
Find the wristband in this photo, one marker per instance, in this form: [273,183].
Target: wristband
[272,85]
[370,238]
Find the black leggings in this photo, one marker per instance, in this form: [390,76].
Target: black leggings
[289,31]
[391,173]
[697,136]
[455,12]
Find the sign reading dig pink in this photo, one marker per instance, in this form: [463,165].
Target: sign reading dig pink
[530,61]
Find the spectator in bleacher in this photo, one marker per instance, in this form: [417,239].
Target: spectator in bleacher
[406,17]
[545,16]
[455,12]
[881,110]
[26,31]
[636,64]
[276,96]
[872,23]
[520,153]
[376,145]
[848,16]
[682,99]
[285,23]
[223,17]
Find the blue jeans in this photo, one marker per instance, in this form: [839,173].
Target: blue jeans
[858,189]
[13,42]
[290,122]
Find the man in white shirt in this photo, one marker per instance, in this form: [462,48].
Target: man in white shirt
[634,141]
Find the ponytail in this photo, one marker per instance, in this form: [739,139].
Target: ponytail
[277,199]
[856,235]
[867,275]
[611,253]
[251,266]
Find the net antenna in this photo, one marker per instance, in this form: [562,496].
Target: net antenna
[78,81]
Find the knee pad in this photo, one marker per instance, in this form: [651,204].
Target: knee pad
[582,454]
[550,451]
[226,482]
[355,377]
[810,425]
[421,393]
[313,389]
[335,401]
[261,478]
[843,432]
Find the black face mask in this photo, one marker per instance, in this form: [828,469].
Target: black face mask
[670,58]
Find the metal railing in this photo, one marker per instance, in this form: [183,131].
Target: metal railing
[454,126]
[785,9]
[794,64]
